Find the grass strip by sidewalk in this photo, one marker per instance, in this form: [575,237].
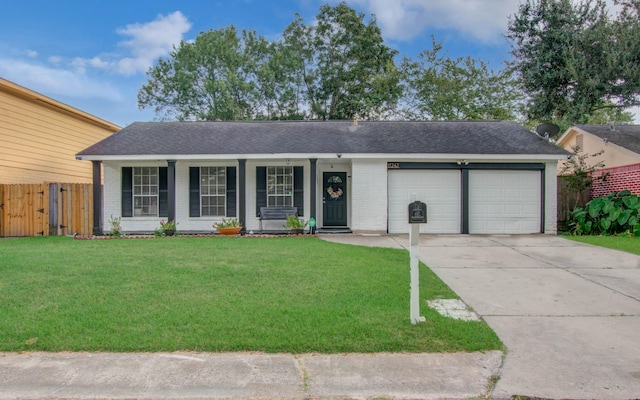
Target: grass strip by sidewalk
[623,243]
[293,295]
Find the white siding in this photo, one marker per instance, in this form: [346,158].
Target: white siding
[113,199]
[253,222]
[551,198]
[369,195]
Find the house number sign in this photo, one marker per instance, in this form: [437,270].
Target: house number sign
[393,165]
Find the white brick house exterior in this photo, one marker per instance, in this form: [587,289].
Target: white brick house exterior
[519,197]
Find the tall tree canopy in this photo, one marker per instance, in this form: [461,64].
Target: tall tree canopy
[442,88]
[336,68]
[213,77]
[345,67]
[573,58]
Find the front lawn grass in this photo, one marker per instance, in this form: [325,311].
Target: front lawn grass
[294,295]
[624,243]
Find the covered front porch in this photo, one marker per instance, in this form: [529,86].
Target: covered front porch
[319,188]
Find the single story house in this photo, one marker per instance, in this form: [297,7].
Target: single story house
[475,177]
[621,154]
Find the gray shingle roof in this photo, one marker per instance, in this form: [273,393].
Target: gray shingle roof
[627,136]
[322,137]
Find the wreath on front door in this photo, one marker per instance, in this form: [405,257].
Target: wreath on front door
[334,190]
[335,194]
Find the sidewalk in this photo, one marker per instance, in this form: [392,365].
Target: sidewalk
[245,376]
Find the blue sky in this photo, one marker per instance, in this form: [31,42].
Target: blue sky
[93,55]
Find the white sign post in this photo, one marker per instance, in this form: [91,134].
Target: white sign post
[414,236]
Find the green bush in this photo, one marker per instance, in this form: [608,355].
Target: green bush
[607,215]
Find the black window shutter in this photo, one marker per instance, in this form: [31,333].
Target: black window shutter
[194,191]
[163,192]
[261,188]
[231,191]
[298,189]
[127,192]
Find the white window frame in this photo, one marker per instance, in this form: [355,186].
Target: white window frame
[280,186]
[213,190]
[146,190]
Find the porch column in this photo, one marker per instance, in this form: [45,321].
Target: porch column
[312,183]
[242,193]
[171,190]
[97,197]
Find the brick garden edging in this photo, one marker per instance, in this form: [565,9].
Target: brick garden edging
[151,236]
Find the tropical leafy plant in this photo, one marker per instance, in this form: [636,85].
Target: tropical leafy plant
[617,212]
[293,222]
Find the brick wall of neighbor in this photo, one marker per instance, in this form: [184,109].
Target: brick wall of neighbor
[619,178]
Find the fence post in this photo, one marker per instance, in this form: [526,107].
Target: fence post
[2,210]
[53,209]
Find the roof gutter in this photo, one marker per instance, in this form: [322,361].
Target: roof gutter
[319,156]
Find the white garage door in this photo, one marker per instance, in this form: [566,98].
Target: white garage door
[504,201]
[439,189]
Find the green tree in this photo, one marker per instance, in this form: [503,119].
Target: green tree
[603,116]
[573,59]
[345,67]
[213,77]
[442,88]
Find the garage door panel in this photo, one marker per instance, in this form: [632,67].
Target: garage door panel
[440,190]
[504,202]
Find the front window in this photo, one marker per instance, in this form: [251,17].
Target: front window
[213,191]
[279,186]
[145,191]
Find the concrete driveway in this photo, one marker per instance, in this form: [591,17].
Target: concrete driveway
[568,313]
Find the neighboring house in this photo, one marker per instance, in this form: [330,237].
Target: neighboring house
[621,156]
[39,137]
[475,177]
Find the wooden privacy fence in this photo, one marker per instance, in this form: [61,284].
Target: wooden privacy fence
[46,209]
[567,200]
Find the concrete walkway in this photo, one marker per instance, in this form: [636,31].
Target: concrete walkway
[245,376]
[568,313]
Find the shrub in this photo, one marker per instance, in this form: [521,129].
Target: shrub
[617,212]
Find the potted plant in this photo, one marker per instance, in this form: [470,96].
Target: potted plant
[166,228]
[295,224]
[228,227]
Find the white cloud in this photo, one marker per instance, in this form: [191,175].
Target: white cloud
[54,81]
[150,41]
[147,42]
[636,111]
[479,20]
[31,53]
[483,20]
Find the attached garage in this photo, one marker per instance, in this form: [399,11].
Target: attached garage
[440,189]
[504,201]
[473,198]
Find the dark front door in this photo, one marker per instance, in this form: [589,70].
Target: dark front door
[334,198]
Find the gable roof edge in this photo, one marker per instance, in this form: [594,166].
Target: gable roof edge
[40,99]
